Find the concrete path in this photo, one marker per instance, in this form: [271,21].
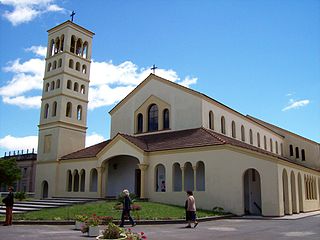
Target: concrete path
[307,228]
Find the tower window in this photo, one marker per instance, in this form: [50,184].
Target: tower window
[69,83]
[60,63]
[69,109]
[84,69]
[47,87]
[49,67]
[82,89]
[251,136]
[79,112]
[58,83]
[62,43]
[76,87]
[258,139]
[303,155]
[57,45]
[166,119]
[54,109]
[79,45]
[46,111]
[52,85]
[297,152]
[78,66]
[51,50]
[85,50]
[72,44]
[71,63]
[54,66]
[153,118]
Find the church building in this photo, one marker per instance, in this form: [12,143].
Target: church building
[166,139]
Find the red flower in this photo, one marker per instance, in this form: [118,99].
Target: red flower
[142,233]
[144,237]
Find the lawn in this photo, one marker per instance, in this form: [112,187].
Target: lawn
[149,210]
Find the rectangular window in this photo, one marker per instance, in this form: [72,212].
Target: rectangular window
[47,143]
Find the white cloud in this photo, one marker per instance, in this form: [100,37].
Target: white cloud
[109,83]
[10,143]
[26,10]
[93,139]
[38,50]
[296,104]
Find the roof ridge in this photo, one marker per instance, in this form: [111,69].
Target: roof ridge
[213,134]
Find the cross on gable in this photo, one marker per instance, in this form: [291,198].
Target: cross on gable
[154,68]
[72,15]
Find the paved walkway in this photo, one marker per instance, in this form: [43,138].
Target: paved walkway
[307,228]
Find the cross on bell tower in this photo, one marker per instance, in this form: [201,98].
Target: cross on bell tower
[154,67]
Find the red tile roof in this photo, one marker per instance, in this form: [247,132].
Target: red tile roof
[190,138]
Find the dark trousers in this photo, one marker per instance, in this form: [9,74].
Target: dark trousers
[8,216]
[126,213]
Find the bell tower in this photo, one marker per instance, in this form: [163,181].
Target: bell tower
[64,103]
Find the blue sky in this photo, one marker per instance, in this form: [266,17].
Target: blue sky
[260,58]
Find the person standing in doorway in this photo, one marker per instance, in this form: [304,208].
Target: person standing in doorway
[126,209]
[8,201]
[190,207]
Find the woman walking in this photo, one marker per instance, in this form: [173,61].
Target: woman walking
[190,207]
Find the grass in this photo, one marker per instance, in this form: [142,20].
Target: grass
[150,211]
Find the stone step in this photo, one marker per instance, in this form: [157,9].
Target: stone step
[21,208]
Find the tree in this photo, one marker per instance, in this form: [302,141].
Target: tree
[9,171]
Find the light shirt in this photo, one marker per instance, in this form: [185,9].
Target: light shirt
[191,204]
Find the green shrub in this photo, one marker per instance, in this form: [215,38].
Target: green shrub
[20,196]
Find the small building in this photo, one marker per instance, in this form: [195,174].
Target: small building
[26,161]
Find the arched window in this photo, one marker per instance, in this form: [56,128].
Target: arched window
[58,83]
[84,69]
[52,85]
[281,149]
[46,111]
[153,118]
[265,142]
[211,120]
[76,87]
[54,66]
[79,112]
[251,136]
[140,123]
[188,177]
[57,45]
[69,181]
[303,155]
[297,152]
[166,124]
[78,66]
[69,83]
[49,67]
[47,87]
[82,180]
[277,148]
[233,129]
[85,50]
[51,51]
[271,145]
[200,176]
[93,180]
[75,181]
[243,136]
[62,43]
[79,45]
[60,63]
[291,150]
[54,109]
[82,89]
[69,109]
[71,63]
[223,125]
[258,139]
[160,178]
[176,177]
[73,44]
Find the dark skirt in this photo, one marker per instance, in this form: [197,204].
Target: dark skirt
[191,215]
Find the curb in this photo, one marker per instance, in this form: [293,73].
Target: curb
[139,222]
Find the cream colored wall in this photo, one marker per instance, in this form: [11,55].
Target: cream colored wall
[46,172]
[223,183]
[183,106]
[239,120]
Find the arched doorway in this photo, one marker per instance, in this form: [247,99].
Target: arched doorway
[285,192]
[45,189]
[294,193]
[252,192]
[160,178]
[122,173]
